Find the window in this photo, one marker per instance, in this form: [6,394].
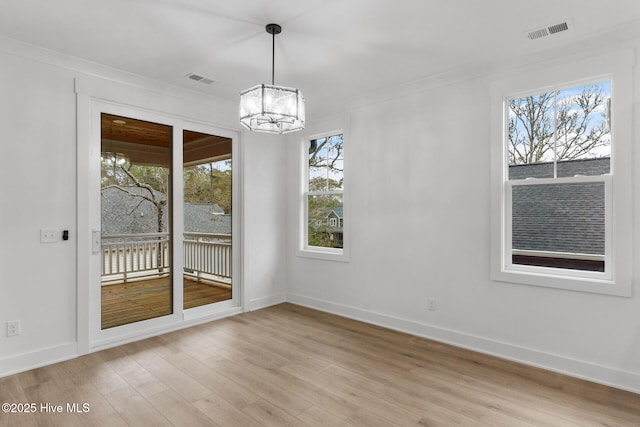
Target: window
[323,197]
[554,199]
[559,152]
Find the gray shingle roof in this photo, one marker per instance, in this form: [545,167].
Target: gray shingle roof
[565,168]
[559,217]
[126,214]
[339,210]
[206,218]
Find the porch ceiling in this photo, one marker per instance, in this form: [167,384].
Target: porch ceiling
[146,143]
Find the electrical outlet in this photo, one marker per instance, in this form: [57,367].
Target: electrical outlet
[432,304]
[49,235]
[13,328]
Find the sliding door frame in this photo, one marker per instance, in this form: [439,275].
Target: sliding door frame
[139,104]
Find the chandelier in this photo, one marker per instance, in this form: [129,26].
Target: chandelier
[271,108]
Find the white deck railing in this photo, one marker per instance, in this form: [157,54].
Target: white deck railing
[129,256]
[208,256]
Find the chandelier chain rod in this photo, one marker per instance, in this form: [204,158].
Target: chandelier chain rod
[273,58]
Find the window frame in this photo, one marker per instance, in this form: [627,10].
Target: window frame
[304,249]
[617,278]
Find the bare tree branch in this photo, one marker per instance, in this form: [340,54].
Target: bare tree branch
[531,126]
[129,192]
[159,203]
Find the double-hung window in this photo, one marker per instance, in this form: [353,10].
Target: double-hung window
[561,176]
[323,228]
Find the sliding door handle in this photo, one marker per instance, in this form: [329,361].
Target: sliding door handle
[96,241]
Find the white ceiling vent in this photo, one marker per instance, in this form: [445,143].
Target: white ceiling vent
[548,30]
[200,78]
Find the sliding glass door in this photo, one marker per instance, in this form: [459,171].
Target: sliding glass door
[207,210]
[165,242]
[158,235]
[136,238]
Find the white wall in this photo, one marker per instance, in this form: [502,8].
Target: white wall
[419,194]
[266,220]
[38,176]
[37,190]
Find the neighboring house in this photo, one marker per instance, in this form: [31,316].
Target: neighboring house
[329,229]
[335,218]
[123,213]
[560,219]
[206,218]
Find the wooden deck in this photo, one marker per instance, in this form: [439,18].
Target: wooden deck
[124,303]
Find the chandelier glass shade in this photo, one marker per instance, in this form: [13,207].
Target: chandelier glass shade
[271,108]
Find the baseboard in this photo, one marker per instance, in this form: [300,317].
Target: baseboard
[258,303]
[37,359]
[99,345]
[612,377]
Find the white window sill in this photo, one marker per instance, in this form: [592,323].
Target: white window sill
[546,278]
[327,254]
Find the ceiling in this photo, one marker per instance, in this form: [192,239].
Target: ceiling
[147,143]
[332,50]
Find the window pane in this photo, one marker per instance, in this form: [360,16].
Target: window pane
[136,220]
[533,170]
[207,275]
[553,225]
[326,163]
[582,123]
[563,133]
[530,137]
[325,225]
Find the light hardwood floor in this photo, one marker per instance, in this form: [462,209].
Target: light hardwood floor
[288,365]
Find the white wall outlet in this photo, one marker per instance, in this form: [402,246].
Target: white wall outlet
[49,235]
[432,304]
[13,328]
